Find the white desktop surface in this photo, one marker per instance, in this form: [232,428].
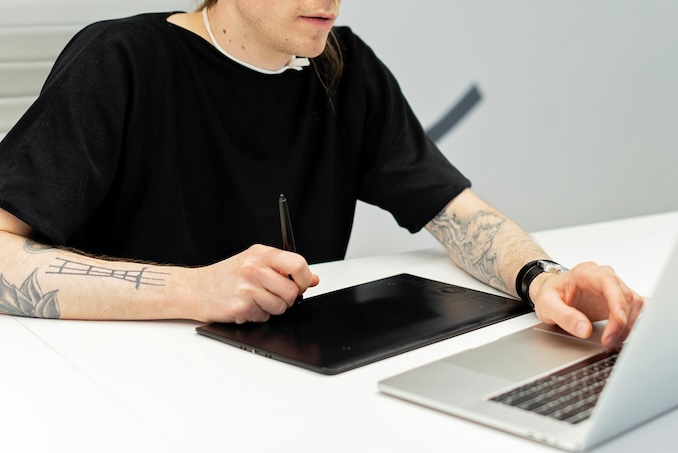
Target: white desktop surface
[159,386]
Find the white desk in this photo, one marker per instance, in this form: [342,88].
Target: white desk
[158,386]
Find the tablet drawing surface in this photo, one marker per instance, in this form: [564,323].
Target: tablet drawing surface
[344,329]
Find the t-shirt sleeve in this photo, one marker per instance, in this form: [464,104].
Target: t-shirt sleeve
[59,160]
[406,173]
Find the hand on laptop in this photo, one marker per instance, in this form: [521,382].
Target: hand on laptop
[585,294]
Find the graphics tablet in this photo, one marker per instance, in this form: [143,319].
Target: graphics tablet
[344,329]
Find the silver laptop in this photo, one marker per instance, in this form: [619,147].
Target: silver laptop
[531,383]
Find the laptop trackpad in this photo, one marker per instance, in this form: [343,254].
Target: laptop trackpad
[527,353]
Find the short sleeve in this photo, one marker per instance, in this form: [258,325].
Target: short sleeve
[59,160]
[405,173]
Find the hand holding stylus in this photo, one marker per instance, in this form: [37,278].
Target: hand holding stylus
[251,286]
[254,284]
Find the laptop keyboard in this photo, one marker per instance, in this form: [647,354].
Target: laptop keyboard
[569,394]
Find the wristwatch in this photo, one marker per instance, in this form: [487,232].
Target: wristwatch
[530,271]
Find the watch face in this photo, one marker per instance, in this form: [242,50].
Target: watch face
[552,267]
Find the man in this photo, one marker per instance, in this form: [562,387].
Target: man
[165,139]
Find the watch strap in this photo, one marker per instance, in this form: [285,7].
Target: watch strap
[525,277]
[521,289]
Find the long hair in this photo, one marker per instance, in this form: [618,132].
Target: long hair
[328,65]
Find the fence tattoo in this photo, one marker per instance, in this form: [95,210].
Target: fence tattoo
[139,277]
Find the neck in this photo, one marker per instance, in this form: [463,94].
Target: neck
[232,37]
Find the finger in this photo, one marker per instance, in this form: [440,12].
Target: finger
[595,290]
[247,310]
[636,308]
[315,280]
[275,292]
[598,294]
[255,305]
[553,311]
[294,265]
[624,305]
[272,303]
[260,317]
[619,327]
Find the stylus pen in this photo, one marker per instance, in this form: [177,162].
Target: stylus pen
[286,225]
[287,234]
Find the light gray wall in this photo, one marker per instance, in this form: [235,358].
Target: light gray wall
[579,98]
[577,120]
[68,12]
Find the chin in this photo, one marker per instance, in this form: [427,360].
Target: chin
[312,50]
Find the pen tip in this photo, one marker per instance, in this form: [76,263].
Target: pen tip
[282,197]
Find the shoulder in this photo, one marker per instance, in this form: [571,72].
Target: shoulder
[192,22]
[349,40]
[126,32]
[118,42]
[362,65]
[141,23]
[357,54]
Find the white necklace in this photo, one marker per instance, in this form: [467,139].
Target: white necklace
[294,63]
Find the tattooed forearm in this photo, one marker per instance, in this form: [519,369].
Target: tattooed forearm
[28,300]
[470,243]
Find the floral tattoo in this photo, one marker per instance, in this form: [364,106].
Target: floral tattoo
[28,299]
[470,243]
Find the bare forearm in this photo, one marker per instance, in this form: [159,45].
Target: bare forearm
[40,281]
[484,242]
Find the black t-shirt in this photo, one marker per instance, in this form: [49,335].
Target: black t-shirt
[146,142]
